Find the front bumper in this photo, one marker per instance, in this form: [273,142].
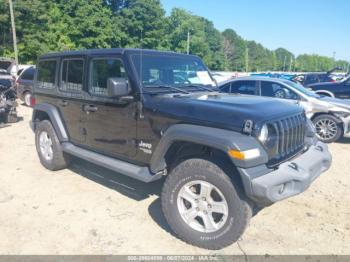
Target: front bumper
[346,122]
[265,186]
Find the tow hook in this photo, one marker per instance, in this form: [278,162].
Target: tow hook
[294,166]
[320,148]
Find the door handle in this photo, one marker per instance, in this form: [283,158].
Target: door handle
[64,103]
[90,108]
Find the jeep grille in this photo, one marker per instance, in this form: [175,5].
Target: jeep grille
[289,136]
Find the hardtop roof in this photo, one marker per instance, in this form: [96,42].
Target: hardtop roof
[107,52]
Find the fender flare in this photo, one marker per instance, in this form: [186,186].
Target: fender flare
[325,92]
[55,119]
[223,140]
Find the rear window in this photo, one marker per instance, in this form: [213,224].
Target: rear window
[72,75]
[28,74]
[47,74]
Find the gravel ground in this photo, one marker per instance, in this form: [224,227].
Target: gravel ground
[89,210]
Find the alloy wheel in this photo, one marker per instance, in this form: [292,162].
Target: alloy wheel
[202,206]
[45,144]
[326,129]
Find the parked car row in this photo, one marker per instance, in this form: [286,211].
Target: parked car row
[315,78]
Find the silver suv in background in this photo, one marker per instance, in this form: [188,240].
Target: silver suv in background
[331,116]
[24,85]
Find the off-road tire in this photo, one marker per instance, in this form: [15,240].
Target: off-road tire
[239,209]
[339,131]
[60,160]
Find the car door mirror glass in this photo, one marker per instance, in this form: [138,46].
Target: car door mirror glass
[117,87]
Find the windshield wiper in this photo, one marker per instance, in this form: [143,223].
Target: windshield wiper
[169,87]
[200,87]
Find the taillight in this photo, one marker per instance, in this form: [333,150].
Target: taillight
[32,101]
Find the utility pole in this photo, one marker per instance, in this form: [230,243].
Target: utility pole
[290,64]
[284,63]
[188,41]
[247,60]
[14,34]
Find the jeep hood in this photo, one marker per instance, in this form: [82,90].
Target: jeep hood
[220,110]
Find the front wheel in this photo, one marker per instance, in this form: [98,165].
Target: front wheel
[328,129]
[202,205]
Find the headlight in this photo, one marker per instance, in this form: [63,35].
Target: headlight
[342,114]
[264,134]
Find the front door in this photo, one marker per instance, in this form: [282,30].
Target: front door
[110,123]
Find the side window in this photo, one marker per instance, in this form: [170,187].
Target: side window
[312,79]
[244,87]
[271,89]
[226,88]
[28,74]
[47,74]
[101,71]
[72,75]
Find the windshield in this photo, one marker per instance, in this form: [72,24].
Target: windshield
[301,89]
[172,72]
[5,65]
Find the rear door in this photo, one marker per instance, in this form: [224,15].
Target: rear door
[71,97]
[110,122]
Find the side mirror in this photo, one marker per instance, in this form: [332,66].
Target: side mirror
[117,87]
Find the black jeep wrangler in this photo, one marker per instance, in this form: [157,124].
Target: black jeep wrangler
[149,115]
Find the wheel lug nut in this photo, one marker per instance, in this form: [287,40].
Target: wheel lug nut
[197,209]
[209,206]
[205,212]
[196,201]
[204,199]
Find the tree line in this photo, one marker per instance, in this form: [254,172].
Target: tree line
[59,25]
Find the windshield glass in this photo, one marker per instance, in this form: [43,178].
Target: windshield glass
[5,64]
[301,89]
[161,71]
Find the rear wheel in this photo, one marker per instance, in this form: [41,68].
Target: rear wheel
[328,129]
[203,206]
[27,97]
[49,148]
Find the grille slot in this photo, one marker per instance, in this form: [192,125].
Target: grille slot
[290,134]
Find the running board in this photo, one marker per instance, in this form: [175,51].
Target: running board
[140,173]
